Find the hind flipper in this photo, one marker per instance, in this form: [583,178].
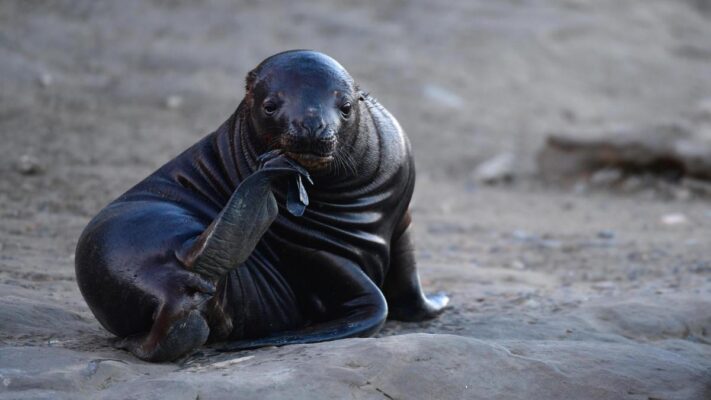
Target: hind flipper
[355,307]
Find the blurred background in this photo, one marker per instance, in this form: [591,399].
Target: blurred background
[467,80]
[95,95]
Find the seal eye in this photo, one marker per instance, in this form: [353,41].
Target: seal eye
[346,109]
[269,108]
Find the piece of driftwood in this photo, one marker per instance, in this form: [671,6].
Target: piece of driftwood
[669,151]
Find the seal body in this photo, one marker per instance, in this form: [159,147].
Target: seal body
[327,274]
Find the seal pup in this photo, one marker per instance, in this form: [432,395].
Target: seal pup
[288,224]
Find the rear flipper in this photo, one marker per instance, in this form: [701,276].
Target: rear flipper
[402,288]
[357,306]
[361,322]
[178,326]
[181,338]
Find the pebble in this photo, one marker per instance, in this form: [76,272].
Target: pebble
[500,168]
[674,219]
[606,177]
[29,165]
[45,79]
[531,303]
[522,235]
[173,102]
[606,234]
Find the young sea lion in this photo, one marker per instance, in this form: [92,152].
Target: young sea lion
[289,224]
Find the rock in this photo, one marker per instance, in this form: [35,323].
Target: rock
[45,79]
[55,373]
[29,165]
[173,102]
[158,389]
[497,169]
[606,177]
[606,235]
[652,347]
[21,316]
[697,187]
[673,219]
[523,236]
[669,151]
[438,367]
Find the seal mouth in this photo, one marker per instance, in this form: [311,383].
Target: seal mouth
[311,160]
[313,154]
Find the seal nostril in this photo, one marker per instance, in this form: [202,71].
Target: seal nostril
[313,126]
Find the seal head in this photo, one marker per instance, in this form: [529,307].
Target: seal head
[302,103]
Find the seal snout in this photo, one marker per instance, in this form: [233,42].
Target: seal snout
[312,125]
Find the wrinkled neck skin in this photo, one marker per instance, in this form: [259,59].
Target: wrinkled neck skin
[356,161]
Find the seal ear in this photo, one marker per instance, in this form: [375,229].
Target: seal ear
[361,94]
[249,85]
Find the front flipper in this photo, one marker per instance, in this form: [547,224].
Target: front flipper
[402,288]
[252,208]
[357,306]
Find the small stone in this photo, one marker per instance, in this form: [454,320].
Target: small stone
[173,102]
[606,177]
[696,186]
[45,79]
[29,165]
[522,235]
[606,234]
[497,169]
[674,219]
[531,303]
